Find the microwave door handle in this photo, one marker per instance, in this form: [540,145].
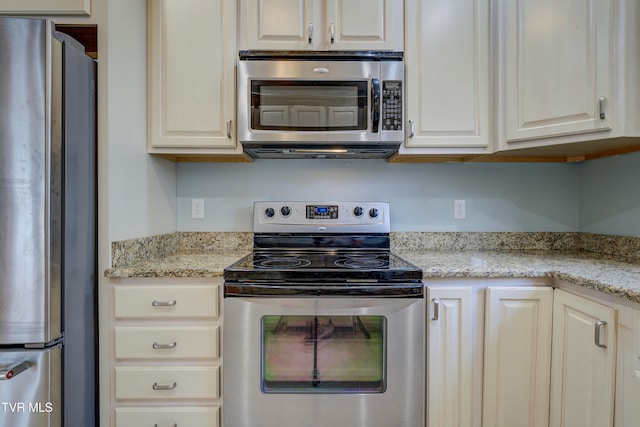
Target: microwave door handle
[375,105]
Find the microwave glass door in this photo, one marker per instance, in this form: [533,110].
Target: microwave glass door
[309,105]
[323,354]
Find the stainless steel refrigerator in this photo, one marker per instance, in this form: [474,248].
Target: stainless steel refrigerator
[47,228]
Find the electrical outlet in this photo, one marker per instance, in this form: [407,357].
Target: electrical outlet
[197,208]
[459,210]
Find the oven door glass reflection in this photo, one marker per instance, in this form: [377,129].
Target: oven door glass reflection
[323,354]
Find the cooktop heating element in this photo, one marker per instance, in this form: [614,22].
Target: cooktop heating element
[322,242]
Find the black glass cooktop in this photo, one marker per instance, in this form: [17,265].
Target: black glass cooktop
[338,265]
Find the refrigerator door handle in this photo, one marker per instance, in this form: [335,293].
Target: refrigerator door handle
[7,374]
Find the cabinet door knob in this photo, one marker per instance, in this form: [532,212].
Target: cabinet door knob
[602,104]
[332,32]
[412,129]
[310,33]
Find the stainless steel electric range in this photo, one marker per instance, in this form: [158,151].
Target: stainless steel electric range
[323,319]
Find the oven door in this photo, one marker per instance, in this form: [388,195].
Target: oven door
[320,361]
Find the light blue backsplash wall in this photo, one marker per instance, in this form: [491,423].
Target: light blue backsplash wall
[499,196]
[609,195]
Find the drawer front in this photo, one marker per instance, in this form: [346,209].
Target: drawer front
[168,417]
[188,342]
[137,382]
[177,301]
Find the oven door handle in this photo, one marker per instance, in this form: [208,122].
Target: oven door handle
[393,290]
[375,105]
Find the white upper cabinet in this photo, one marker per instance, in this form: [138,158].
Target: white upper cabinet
[45,7]
[191,77]
[556,68]
[447,67]
[321,25]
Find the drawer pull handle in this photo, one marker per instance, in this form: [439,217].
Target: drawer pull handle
[157,386]
[171,303]
[174,425]
[157,346]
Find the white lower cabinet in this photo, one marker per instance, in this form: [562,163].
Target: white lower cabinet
[583,362]
[192,417]
[450,367]
[167,382]
[517,352]
[165,353]
[627,394]
[517,356]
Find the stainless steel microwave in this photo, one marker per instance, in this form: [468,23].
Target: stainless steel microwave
[320,104]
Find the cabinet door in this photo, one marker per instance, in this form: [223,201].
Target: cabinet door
[450,356]
[46,7]
[583,362]
[363,25]
[517,356]
[278,24]
[557,67]
[447,63]
[191,73]
[322,25]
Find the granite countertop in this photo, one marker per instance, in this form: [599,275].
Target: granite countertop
[608,274]
[203,264]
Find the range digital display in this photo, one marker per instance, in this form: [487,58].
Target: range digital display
[322,211]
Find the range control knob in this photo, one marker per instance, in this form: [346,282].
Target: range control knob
[269,212]
[285,211]
[373,213]
[358,211]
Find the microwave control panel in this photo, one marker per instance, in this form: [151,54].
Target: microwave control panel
[391,105]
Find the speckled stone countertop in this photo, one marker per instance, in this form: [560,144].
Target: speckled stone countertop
[207,264]
[599,272]
[563,256]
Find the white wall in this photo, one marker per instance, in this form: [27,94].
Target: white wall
[499,196]
[609,197]
[141,188]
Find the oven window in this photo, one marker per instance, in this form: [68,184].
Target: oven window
[323,354]
[308,105]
